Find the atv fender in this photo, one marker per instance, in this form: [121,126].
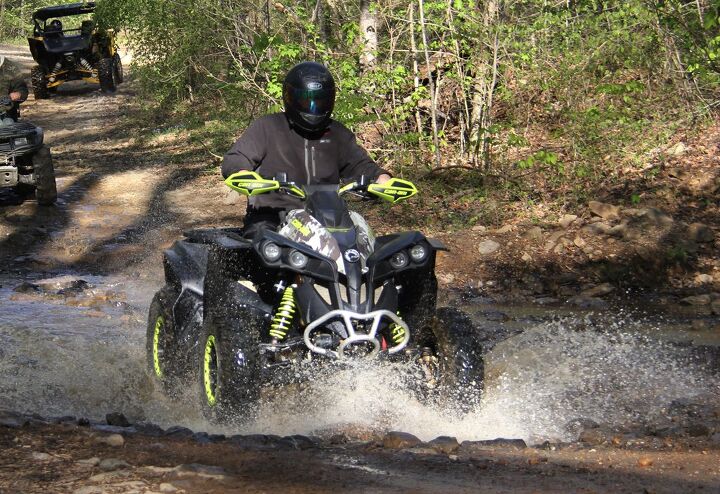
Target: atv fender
[185,266]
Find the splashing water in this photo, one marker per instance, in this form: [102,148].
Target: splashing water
[61,360]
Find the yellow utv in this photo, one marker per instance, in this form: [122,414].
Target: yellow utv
[68,45]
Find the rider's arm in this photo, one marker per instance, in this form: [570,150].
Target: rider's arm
[357,161]
[248,152]
[18,91]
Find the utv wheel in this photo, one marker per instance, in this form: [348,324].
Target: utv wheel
[459,358]
[119,76]
[229,370]
[106,74]
[45,188]
[39,83]
[160,339]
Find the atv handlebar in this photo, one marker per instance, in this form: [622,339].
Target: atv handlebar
[250,183]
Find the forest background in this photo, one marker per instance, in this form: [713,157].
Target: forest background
[501,107]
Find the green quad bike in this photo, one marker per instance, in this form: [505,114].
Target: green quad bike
[236,314]
[25,162]
[73,48]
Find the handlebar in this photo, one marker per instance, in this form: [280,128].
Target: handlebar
[250,183]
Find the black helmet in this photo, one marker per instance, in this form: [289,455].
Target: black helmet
[309,96]
[55,26]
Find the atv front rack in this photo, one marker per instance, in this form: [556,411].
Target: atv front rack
[354,337]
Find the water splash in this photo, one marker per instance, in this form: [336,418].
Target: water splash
[61,360]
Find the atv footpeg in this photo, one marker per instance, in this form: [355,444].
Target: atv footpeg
[367,340]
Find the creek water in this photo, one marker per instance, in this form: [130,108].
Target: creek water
[64,356]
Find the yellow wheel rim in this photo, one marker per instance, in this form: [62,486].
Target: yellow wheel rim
[159,324]
[210,370]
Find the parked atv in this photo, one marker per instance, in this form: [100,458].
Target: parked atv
[72,49]
[237,314]
[25,162]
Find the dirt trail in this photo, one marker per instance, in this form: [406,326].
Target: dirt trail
[124,194]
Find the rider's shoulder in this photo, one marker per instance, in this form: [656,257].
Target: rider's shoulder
[339,130]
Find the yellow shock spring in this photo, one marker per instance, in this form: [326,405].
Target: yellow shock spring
[283,315]
[397,332]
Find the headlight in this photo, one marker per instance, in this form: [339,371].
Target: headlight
[297,259]
[399,260]
[418,253]
[21,141]
[271,251]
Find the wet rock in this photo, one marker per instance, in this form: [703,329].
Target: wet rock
[594,437]
[63,285]
[13,420]
[587,302]
[178,431]
[400,440]
[83,421]
[150,430]
[700,233]
[115,440]
[578,425]
[256,441]
[487,247]
[598,291]
[605,211]
[117,419]
[703,299]
[113,429]
[27,287]
[473,447]
[298,442]
[444,444]
[112,464]
[202,471]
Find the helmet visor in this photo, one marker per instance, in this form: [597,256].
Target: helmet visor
[317,102]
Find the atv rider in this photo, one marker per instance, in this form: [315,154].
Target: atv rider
[303,142]
[12,92]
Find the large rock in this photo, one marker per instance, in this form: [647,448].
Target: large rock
[605,211]
[117,419]
[567,220]
[700,233]
[444,444]
[400,440]
[487,247]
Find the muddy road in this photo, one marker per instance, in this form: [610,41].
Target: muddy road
[619,400]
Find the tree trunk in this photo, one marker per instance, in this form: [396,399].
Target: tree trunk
[431,85]
[368,29]
[416,76]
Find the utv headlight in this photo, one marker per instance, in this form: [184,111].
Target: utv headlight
[399,260]
[271,251]
[297,259]
[21,141]
[418,253]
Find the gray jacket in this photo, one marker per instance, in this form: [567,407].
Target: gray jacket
[270,145]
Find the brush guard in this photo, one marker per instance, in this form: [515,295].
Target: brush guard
[355,337]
